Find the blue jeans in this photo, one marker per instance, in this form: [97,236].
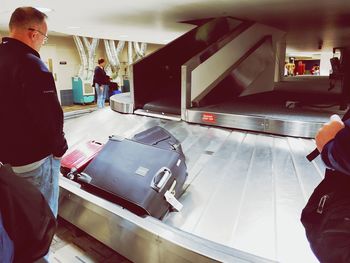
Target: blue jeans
[101,92]
[45,178]
[6,245]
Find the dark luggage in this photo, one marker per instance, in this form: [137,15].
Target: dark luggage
[137,176]
[158,137]
[326,218]
[26,216]
[75,161]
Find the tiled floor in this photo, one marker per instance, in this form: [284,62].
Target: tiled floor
[75,107]
[71,245]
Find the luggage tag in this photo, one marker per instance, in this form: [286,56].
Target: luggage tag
[171,199]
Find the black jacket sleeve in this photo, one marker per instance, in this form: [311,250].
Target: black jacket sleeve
[336,153]
[43,106]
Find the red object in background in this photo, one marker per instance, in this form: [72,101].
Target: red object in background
[80,157]
[300,68]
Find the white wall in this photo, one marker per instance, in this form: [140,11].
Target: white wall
[325,64]
[66,61]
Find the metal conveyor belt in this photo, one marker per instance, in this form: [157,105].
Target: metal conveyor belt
[245,192]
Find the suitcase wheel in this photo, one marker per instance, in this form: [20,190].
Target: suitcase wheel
[84,178]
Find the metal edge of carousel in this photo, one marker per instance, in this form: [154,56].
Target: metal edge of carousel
[140,239]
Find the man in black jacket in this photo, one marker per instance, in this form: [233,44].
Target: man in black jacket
[31,116]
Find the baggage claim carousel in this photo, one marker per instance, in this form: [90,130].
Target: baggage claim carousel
[242,200]
[247,183]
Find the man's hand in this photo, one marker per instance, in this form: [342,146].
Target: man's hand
[328,131]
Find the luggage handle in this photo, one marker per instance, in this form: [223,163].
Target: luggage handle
[160,179]
[95,142]
[116,138]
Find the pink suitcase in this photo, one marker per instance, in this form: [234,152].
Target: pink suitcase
[76,160]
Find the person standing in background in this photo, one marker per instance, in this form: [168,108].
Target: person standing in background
[32,134]
[100,82]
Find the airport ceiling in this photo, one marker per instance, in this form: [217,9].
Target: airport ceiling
[309,24]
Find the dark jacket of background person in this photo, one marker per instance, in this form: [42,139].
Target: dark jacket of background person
[30,113]
[100,76]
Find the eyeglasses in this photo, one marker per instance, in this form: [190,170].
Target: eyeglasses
[41,33]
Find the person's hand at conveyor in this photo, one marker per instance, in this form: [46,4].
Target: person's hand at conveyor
[326,133]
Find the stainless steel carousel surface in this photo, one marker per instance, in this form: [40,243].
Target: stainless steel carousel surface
[243,199]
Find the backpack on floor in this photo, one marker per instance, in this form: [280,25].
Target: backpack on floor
[26,216]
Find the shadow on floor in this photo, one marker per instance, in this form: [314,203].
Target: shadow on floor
[71,245]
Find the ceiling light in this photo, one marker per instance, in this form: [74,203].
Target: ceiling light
[74,27]
[44,9]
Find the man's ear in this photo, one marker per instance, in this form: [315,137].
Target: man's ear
[31,34]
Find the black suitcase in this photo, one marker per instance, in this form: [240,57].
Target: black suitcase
[136,176]
[159,137]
